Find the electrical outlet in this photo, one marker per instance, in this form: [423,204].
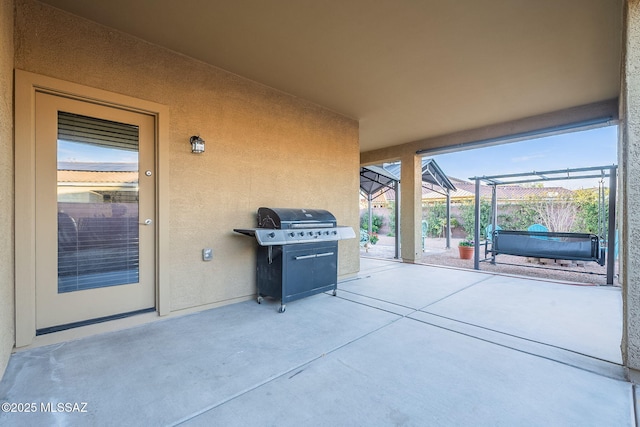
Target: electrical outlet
[207,254]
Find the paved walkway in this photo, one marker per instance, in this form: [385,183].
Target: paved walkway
[400,345]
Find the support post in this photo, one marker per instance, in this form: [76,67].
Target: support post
[448,219]
[494,218]
[411,208]
[611,238]
[494,206]
[476,229]
[396,188]
[370,213]
[629,171]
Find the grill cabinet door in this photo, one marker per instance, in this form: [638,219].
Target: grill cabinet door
[309,269]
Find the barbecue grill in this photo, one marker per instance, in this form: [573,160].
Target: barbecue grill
[297,252]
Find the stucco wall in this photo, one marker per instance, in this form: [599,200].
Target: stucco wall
[6,182]
[263,147]
[630,176]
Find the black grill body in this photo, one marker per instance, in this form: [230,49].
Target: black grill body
[297,271]
[297,253]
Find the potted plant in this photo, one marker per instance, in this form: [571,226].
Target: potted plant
[374,238]
[465,248]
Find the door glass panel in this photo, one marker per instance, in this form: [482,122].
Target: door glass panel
[97,203]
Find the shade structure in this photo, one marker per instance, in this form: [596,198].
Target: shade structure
[376,180]
[433,177]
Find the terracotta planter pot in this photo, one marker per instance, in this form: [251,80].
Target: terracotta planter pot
[466,252]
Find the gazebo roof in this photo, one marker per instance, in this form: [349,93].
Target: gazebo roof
[432,176]
[375,179]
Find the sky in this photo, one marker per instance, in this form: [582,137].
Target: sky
[80,152]
[596,147]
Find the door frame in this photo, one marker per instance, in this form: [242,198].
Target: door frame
[26,86]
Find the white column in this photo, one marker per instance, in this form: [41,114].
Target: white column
[629,176]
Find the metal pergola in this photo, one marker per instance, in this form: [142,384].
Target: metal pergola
[601,172]
[435,180]
[375,181]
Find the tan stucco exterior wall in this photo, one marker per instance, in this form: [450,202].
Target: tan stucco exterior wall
[263,147]
[6,183]
[629,218]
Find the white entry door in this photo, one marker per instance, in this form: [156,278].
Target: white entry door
[95,212]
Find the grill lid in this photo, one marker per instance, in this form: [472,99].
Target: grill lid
[294,218]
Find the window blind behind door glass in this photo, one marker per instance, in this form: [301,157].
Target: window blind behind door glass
[97,203]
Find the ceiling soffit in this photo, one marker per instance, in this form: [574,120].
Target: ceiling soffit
[405,70]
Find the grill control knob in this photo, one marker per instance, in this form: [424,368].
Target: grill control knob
[272,234]
[334,232]
[302,233]
[292,234]
[311,233]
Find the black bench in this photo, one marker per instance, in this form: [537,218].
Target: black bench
[547,244]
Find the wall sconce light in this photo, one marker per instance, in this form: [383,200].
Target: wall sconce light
[197,144]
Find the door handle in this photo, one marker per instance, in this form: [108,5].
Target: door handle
[147,221]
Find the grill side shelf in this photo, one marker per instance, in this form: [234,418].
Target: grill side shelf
[251,232]
[273,237]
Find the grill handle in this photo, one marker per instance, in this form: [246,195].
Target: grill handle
[324,254]
[313,256]
[312,225]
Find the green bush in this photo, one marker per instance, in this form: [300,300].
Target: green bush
[575,213]
[392,219]
[377,222]
[467,214]
[517,216]
[436,217]
[589,209]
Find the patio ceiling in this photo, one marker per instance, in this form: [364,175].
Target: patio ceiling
[405,70]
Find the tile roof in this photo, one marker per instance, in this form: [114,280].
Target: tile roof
[466,190]
[69,176]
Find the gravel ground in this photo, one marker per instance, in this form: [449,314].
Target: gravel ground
[435,253]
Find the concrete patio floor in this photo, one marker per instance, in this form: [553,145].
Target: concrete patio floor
[401,344]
